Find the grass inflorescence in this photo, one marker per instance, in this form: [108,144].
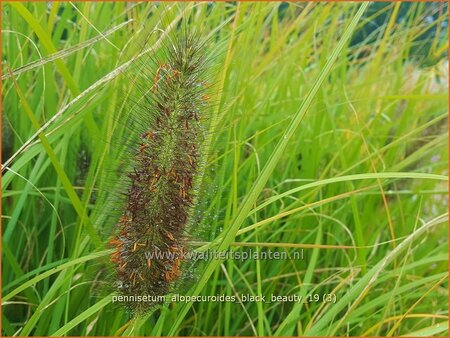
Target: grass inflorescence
[170,109]
[326,132]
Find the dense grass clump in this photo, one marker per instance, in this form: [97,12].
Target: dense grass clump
[327,146]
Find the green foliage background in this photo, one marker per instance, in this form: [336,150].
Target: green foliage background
[360,185]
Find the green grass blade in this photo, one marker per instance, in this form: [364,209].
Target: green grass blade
[52,271]
[363,285]
[83,316]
